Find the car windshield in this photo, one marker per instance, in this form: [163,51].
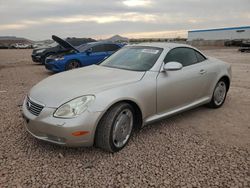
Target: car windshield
[82,47]
[135,58]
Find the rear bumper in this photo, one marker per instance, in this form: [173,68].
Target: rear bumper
[59,131]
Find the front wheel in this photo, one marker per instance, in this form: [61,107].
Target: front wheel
[73,64]
[115,128]
[219,95]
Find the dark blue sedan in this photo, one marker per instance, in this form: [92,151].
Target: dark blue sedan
[84,55]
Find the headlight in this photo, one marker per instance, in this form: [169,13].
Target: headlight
[40,51]
[59,58]
[74,107]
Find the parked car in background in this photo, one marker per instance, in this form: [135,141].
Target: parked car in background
[84,55]
[21,46]
[40,54]
[235,42]
[102,104]
[3,46]
[245,46]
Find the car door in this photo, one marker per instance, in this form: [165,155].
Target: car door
[180,88]
[96,54]
[208,72]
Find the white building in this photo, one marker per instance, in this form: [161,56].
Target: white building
[230,33]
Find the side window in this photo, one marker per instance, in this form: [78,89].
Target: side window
[185,56]
[97,48]
[111,47]
[200,57]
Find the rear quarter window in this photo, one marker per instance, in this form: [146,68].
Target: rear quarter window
[200,57]
[111,47]
[98,48]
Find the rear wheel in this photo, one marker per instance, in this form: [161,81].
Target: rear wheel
[219,95]
[115,128]
[73,64]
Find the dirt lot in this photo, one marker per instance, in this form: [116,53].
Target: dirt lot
[199,148]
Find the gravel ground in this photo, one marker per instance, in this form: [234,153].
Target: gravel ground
[198,148]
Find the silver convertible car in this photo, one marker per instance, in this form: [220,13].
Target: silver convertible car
[102,104]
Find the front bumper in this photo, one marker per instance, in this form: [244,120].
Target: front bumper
[55,66]
[59,131]
[36,58]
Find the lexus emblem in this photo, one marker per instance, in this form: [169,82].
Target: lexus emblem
[28,105]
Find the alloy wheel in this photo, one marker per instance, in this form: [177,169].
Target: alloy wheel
[220,93]
[122,128]
[73,65]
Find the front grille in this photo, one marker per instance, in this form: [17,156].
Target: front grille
[33,107]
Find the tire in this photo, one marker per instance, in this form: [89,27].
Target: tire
[72,64]
[115,128]
[219,95]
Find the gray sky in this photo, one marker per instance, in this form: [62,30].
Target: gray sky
[39,19]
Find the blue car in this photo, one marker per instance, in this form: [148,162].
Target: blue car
[84,55]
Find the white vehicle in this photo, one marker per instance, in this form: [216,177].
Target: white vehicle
[21,46]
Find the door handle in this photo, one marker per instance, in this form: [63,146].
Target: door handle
[202,71]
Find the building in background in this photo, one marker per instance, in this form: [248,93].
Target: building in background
[230,33]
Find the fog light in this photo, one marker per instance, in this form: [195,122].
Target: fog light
[55,138]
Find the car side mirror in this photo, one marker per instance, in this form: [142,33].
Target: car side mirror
[172,66]
[89,51]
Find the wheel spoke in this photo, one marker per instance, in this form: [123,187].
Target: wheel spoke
[73,65]
[122,128]
[220,93]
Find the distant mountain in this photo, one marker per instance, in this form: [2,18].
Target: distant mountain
[7,37]
[117,38]
[13,38]
[8,41]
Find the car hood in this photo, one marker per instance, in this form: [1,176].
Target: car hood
[64,43]
[63,87]
[62,54]
[41,48]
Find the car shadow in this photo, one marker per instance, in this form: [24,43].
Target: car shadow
[37,64]
[171,121]
[49,73]
[91,157]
